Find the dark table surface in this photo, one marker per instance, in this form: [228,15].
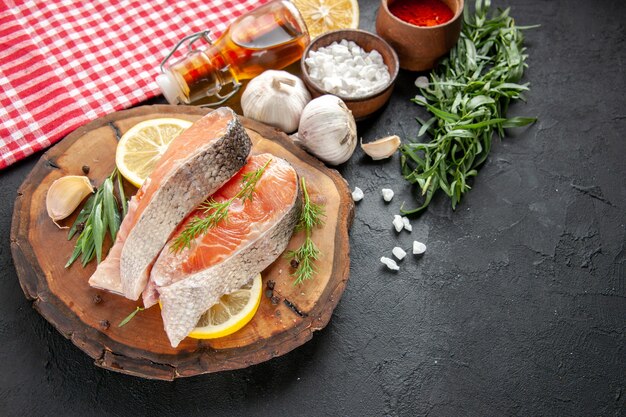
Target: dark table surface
[518,306]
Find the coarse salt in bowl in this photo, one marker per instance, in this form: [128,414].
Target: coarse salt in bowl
[356,74]
[346,69]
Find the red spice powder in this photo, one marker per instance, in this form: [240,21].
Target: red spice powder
[421,12]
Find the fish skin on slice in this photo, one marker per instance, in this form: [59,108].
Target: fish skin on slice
[255,233]
[197,163]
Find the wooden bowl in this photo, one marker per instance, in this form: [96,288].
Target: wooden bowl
[363,106]
[419,47]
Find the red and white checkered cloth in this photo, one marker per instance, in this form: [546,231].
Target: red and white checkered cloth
[64,63]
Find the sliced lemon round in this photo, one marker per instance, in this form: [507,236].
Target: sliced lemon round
[142,146]
[322,16]
[233,311]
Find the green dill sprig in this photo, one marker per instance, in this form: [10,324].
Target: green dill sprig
[311,216]
[100,215]
[216,211]
[249,182]
[468,95]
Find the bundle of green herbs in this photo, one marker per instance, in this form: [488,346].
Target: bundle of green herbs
[468,95]
[99,216]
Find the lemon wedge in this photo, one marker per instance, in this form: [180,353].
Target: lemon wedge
[322,16]
[231,313]
[142,146]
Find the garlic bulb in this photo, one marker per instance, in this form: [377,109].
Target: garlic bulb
[65,194]
[327,130]
[276,98]
[381,148]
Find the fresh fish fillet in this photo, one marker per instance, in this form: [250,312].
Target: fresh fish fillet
[195,165]
[255,233]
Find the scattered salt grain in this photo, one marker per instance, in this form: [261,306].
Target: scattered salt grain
[344,68]
[397,223]
[390,263]
[418,248]
[357,194]
[421,82]
[398,252]
[387,194]
[407,224]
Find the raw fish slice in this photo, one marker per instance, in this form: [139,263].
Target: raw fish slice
[255,233]
[195,165]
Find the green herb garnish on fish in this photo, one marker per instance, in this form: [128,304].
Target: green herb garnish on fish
[306,255]
[216,211]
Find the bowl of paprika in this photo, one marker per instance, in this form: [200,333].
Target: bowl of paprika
[420,31]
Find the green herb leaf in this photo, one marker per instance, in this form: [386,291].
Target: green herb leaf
[99,230]
[87,244]
[518,121]
[426,126]
[111,212]
[120,190]
[82,216]
[130,316]
[75,254]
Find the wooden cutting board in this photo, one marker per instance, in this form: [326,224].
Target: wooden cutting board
[90,317]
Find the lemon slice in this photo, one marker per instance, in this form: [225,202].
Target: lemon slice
[233,311]
[322,16]
[142,146]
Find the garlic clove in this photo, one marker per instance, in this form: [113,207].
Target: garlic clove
[381,148]
[65,194]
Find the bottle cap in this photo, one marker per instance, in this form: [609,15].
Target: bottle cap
[169,88]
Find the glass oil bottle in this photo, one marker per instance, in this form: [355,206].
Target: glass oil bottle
[270,37]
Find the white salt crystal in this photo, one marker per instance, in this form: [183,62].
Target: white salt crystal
[418,248]
[332,83]
[357,194]
[376,56]
[407,224]
[421,82]
[370,73]
[358,61]
[397,223]
[387,194]
[398,252]
[328,68]
[390,263]
[340,51]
